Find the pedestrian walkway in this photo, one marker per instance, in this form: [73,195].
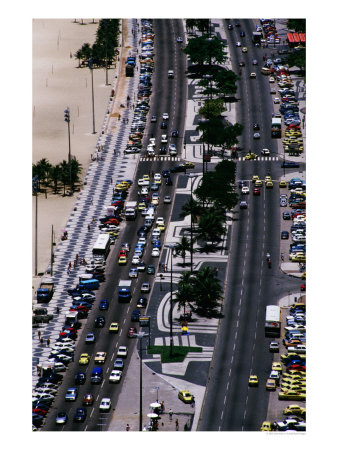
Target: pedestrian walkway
[109,165]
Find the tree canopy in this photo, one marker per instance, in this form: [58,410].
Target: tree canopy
[206,50]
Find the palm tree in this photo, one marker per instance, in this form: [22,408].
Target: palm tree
[207,290]
[191,207]
[184,292]
[183,246]
[55,176]
[211,226]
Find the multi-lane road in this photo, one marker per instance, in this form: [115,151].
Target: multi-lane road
[241,348]
[168,95]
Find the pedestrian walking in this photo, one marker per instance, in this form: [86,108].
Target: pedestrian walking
[69,265]
[41,341]
[282,256]
[170,414]
[93,219]
[111,180]
[68,271]
[57,310]
[119,117]
[127,427]
[177,425]
[77,257]
[88,227]
[48,342]
[75,263]
[162,406]
[39,334]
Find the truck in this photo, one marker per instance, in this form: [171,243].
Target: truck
[272,321]
[71,318]
[256,37]
[124,294]
[130,210]
[276,127]
[45,292]
[41,315]
[129,70]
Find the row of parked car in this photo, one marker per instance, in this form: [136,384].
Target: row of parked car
[142,107]
[289,374]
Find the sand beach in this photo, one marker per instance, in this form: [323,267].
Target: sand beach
[59,83]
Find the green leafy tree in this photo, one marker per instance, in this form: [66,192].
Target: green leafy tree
[298,25]
[207,290]
[204,50]
[211,227]
[191,207]
[212,108]
[55,176]
[298,59]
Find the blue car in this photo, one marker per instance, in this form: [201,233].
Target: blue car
[174,133]
[118,364]
[104,304]
[71,394]
[290,164]
[90,338]
[135,315]
[165,173]
[80,415]
[157,244]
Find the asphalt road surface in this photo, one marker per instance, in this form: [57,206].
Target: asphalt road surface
[168,95]
[241,348]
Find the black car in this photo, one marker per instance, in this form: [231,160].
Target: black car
[165,173]
[80,378]
[290,164]
[99,322]
[242,64]
[237,24]
[169,181]
[284,235]
[174,133]
[164,125]
[142,302]
[230,27]
[135,315]
[163,150]
[256,126]
[143,229]
[37,420]
[242,33]
[179,168]
[80,415]
[286,215]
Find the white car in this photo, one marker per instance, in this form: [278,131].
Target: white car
[167,199]
[238,44]
[142,240]
[160,220]
[115,376]
[165,116]
[164,139]
[172,150]
[155,199]
[105,404]
[122,351]
[156,232]
[245,190]
[276,100]
[256,136]
[179,40]
[145,288]
[142,182]
[155,252]
[252,75]
[100,357]
[135,260]
[271,80]
[265,152]
[144,190]
[150,152]
[152,142]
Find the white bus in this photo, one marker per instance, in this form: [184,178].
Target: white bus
[272,321]
[102,245]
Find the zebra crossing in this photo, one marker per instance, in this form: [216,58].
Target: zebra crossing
[260,158]
[160,158]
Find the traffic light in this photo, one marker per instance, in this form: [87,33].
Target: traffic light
[67,115]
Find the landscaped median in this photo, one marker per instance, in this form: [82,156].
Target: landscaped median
[178,352]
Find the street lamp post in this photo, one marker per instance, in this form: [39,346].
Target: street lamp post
[191,176]
[35,186]
[140,335]
[90,63]
[67,119]
[171,248]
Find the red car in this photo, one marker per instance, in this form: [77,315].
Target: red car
[112,221]
[42,412]
[88,400]
[132,332]
[298,367]
[122,253]
[303,287]
[256,191]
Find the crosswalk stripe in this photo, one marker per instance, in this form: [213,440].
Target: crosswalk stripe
[260,158]
[160,158]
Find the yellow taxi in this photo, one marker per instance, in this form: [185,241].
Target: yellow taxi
[249,156]
[84,359]
[185,396]
[266,426]
[121,187]
[269,184]
[146,177]
[298,258]
[276,366]
[267,178]
[282,184]
[141,206]
[161,226]
[295,410]
[114,327]
[270,384]
[188,165]
[244,50]
[253,380]
[100,357]
[254,177]
[258,183]
[291,395]
[122,260]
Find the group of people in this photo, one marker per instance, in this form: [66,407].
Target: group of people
[77,261]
